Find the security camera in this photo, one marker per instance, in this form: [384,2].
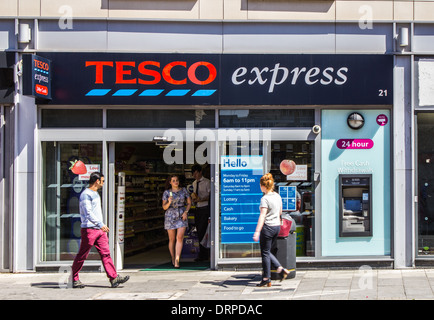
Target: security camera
[316,129]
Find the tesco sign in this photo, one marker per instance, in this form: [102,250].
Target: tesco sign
[92,78]
[153,71]
[36,76]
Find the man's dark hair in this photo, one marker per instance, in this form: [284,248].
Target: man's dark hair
[94,176]
[197,168]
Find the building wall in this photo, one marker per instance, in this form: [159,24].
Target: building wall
[219,26]
[340,26]
[419,10]
[162,26]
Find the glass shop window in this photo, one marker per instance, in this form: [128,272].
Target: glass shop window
[67,118]
[425,174]
[124,118]
[266,118]
[61,189]
[292,165]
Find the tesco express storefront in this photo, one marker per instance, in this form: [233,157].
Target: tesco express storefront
[238,115]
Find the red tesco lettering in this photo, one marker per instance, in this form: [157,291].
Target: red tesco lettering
[41,65]
[125,69]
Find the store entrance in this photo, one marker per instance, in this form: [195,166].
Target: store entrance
[146,169]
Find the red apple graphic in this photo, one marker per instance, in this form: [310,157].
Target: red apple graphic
[287,167]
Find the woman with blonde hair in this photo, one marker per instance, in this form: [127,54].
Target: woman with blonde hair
[268,228]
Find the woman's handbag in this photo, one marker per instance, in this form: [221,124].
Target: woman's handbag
[287,225]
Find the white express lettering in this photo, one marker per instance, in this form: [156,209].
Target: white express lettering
[41,78]
[238,73]
[274,77]
[279,75]
[327,75]
[342,76]
[258,76]
[311,74]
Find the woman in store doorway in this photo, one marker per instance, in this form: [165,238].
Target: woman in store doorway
[268,228]
[176,202]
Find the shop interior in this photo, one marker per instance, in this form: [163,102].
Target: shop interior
[145,239]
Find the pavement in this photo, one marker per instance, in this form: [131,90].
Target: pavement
[225,286]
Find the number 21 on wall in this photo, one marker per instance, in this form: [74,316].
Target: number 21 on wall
[382,93]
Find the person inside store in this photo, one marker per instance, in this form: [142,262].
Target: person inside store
[267,229]
[94,233]
[177,203]
[200,195]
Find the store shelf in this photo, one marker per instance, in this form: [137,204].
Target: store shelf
[149,244]
[139,190]
[143,173]
[144,216]
[140,205]
[148,229]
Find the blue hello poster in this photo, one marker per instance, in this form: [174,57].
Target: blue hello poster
[240,197]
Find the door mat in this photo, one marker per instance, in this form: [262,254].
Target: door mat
[183,266]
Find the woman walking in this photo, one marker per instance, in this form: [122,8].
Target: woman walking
[176,202]
[268,228]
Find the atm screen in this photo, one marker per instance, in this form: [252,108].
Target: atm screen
[353,204]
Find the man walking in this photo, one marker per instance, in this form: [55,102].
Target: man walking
[94,233]
[202,189]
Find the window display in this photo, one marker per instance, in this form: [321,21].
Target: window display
[61,231]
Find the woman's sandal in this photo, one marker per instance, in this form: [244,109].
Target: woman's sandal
[283,274]
[264,283]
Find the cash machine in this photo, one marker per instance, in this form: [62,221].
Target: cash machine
[355,205]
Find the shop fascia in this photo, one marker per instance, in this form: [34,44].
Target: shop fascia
[221,79]
[173,141]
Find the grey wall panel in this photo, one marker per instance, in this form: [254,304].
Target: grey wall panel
[424,82]
[165,37]
[24,193]
[423,39]
[403,172]
[84,36]
[352,38]
[7,34]
[278,38]
[7,163]
[215,37]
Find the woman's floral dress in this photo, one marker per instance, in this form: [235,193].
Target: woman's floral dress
[173,215]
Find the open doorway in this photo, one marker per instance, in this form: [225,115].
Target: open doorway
[145,238]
